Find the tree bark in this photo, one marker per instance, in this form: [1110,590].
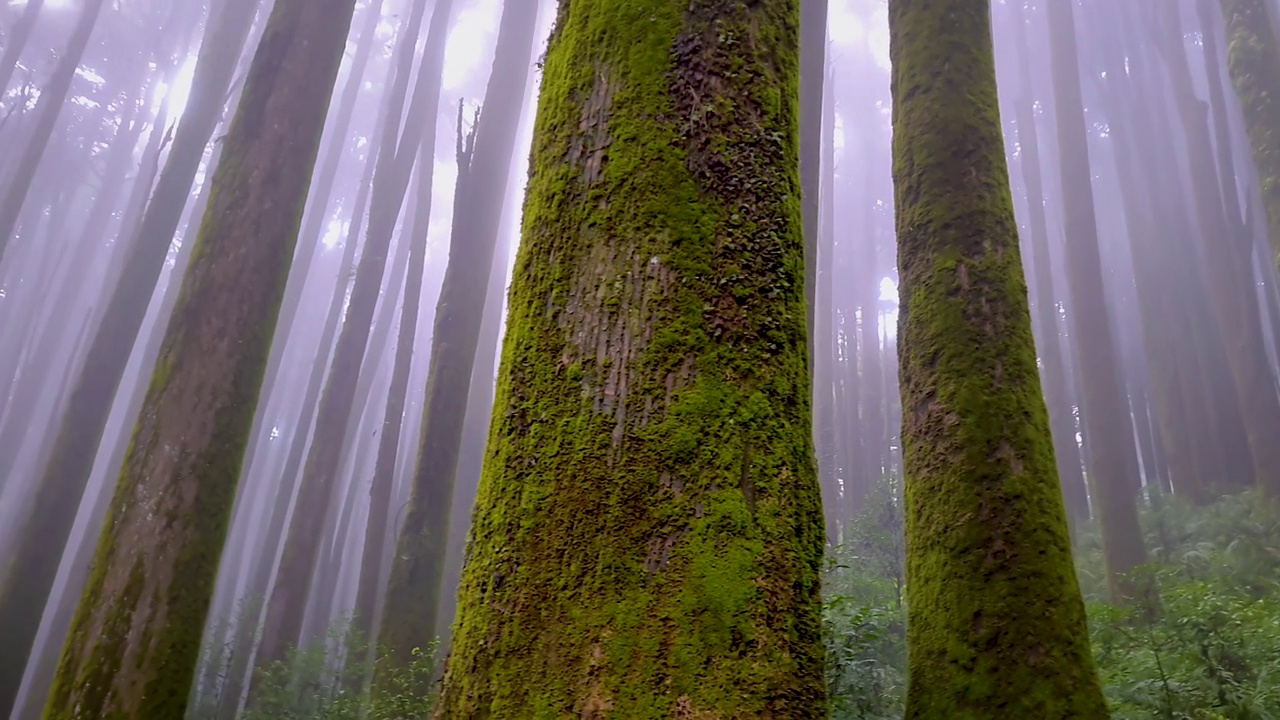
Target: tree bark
[48,523]
[648,533]
[135,639]
[996,625]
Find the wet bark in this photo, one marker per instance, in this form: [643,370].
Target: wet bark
[62,481]
[135,639]
[649,499]
[996,625]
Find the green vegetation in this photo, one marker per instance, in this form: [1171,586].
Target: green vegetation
[320,683]
[1213,653]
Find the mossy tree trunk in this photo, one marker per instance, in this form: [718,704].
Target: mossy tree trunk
[648,534]
[135,639]
[1253,56]
[996,626]
[413,593]
[26,584]
[1110,452]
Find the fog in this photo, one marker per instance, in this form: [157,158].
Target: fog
[243,428]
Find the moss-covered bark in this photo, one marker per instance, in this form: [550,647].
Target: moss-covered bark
[996,626]
[135,639]
[648,532]
[1253,56]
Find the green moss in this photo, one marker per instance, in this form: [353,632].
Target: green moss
[996,625]
[1254,62]
[135,638]
[647,536]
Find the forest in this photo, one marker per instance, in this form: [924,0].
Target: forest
[639,359]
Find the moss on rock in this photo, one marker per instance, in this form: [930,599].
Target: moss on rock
[648,532]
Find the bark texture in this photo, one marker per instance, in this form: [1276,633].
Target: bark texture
[135,640]
[648,532]
[996,625]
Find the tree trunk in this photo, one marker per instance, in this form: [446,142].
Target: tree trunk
[19,34]
[1253,56]
[996,626]
[1053,375]
[384,473]
[413,595]
[1110,452]
[395,162]
[648,533]
[1229,266]
[53,97]
[135,640]
[48,524]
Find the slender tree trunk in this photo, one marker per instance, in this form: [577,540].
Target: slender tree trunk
[337,135]
[149,590]
[1053,375]
[384,473]
[16,41]
[1111,456]
[53,96]
[996,626]
[48,524]
[413,595]
[649,499]
[390,182]
[1229,265]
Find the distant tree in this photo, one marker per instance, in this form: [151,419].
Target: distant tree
[135,639]
[996,624]
[648,533]
[25,585]
[1110,451]
[394,166]
[413,594]
[53,97]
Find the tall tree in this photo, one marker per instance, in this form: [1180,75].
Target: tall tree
[53,96]
[396,159]
[16,40]
[648,532]
[1110,452]
[413,596]
[1253,55]
[25,586]
[996,625]
[1053,373]
[135,639]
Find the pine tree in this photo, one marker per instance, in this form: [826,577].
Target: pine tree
[135,640]
[996,625]
[648,532]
